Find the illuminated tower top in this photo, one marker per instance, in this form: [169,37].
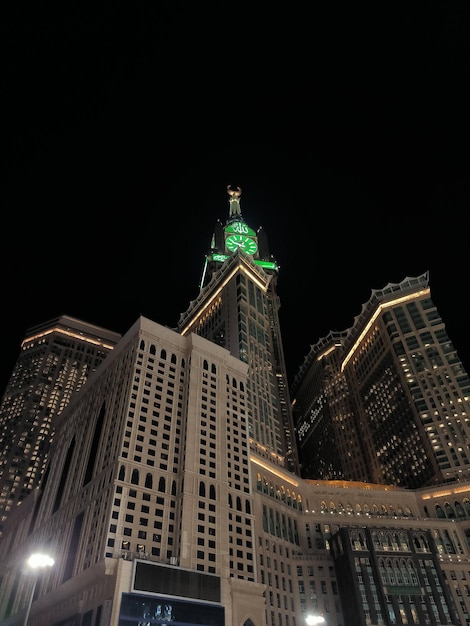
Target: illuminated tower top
[234,201]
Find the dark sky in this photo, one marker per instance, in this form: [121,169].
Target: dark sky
[346,128]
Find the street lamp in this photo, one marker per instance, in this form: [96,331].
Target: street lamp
[36,562]
[312,620]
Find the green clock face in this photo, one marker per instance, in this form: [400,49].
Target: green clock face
[247,244]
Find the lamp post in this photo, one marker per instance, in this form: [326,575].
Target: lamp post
[36,562]
[313,620]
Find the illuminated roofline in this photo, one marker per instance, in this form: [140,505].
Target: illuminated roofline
[379,310]
[352,484]
[68,333]
[440,492]
[240,266]
[279,473]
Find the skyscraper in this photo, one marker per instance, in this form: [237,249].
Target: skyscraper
[391,392]
[168,496]
[237,308]
[55,361]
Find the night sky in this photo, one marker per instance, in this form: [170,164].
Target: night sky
[345,126]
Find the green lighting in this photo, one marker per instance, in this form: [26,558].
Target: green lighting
[219,257]
[268,265]
[240,228]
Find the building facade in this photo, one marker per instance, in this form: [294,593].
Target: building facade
[168,496]
[393,393]
[54,363]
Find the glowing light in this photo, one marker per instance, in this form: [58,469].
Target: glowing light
[40,560]
[36,562]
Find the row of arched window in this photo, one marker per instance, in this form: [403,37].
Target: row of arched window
[456,511]
[279,493]
[389,540]
[358,509]
[280,525]
[398,571]
[163,353]
[203,490]
[148,480]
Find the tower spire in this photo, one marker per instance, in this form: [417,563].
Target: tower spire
[234,201]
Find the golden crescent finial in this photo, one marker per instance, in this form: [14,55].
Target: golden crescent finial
[234,193]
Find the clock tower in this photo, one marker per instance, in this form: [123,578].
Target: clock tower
[237,308]
[236,236]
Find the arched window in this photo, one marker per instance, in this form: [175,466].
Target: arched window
[161,484]
[153,349]
[212,493]
[149,481]
[421,543]
[239,503]
[397,572]
[247,507]
[135,477]
[404,541]
[383,572]
[354,538]
[459,509]
[122,473]
[450,548]
[163,354]
[450,513]
[404,572]
[438,542]
[466,505]
[202,490]
[142,345]
[173,488]
[390,572]
[173,359]
[265,519]
[272,527]
[412,572]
